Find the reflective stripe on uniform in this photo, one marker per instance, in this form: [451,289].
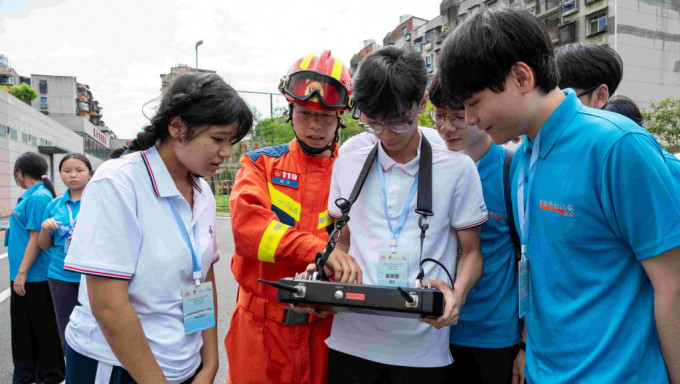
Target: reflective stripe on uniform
[270,240]
[324,220]
[337,69]
[304,64]
[284,202]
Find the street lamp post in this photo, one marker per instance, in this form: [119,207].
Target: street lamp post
[197,44]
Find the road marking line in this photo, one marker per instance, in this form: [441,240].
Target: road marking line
[4,295]
[3,255]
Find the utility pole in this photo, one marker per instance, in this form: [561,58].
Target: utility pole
[197,44]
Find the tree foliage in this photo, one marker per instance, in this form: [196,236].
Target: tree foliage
[4,88]
[662,119]
[24,93]
[424,118]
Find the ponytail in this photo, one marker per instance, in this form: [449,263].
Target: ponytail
[48,184]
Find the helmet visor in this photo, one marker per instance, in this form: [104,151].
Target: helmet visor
[315,86]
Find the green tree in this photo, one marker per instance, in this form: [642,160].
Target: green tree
[662,119]
[4,88]
[424,118]
[24,93]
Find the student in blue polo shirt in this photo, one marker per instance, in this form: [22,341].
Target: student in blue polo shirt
[600,224]
[485,342]
[56,233]
[36,353]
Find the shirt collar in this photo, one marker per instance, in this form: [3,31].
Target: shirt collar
[411,168]
[67,195]
[34,188]
[558,121]
[160,177]
[488,162]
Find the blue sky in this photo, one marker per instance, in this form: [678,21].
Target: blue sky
[120,48]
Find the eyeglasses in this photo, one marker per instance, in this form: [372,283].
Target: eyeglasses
[439,119]
[587,91]
[400,127]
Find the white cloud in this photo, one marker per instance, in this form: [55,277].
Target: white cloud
[69,51]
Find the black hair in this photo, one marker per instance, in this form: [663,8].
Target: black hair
[586,65]
[388,80]
[34,166]
[482,50]
[438,96]
[626,107]
[77,156]
[199,99]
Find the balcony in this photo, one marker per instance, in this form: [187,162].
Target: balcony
[547,7]
[81,98]
[83,107]
[428,47]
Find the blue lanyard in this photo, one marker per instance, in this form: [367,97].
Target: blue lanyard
[404,211]
[72,221]
[185,236]
[522,206]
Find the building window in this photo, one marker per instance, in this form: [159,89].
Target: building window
[3,131]
[428,37]
[43,102]
[569,5]
[34,141]
[567,33]
[404,30]
[13,134]
[24,138]
[597,23]
[429,62]
[43,86]
[419,46]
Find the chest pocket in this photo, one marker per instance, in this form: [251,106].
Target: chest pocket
[286,209]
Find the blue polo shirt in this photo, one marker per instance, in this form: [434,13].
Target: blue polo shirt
[490,318]
[600,204]
[58,211]
[26,217]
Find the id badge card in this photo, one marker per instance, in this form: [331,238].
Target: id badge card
[393,269]
[198,308]
[68,235]
[523,266]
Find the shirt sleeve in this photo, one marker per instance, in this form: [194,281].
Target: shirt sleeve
[467,207]
[36,205]
[639,197]
[258,233]
[49,212]
[108,236]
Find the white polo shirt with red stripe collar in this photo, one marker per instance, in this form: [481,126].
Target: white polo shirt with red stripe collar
[458,204]
[126,230]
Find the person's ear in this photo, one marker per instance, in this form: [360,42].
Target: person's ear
[523,77]
[600,96]
[177,129]
[423,103]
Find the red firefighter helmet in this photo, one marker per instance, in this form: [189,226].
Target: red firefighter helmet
[318,81]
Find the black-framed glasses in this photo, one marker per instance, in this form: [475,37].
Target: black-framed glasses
[439,119]
[587,91]
[400,127]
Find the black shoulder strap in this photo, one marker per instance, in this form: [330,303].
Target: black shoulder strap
[424,205]
[346,204]
[508,202]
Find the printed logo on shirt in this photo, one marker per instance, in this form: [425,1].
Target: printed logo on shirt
[210,231]
[560,208]
[497,216]
[289,179]
[482,209]
[16,213]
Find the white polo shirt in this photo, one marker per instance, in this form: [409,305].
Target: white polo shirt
[126,230]
[458,204]
[366,139]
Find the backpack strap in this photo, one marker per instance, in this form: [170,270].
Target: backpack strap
[508,203]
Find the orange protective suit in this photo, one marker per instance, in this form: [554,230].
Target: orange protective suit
[280,221]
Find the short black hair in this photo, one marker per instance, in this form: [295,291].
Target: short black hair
[586,65]
[438,96]
[388,80]
[626,107]
[482,50]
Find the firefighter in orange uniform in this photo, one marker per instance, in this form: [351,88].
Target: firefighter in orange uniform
[280,222]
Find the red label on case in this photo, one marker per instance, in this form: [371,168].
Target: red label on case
[355,296]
